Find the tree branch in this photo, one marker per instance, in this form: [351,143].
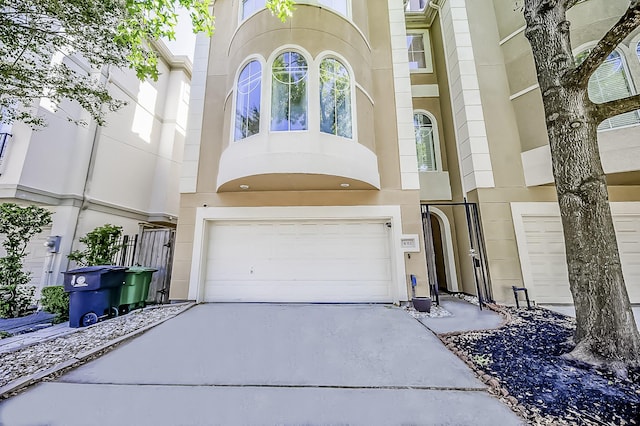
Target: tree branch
[619,106]
[625,25]
[570,3]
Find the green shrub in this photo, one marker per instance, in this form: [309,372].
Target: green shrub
[18,225]
[102,244]
[56,301]
[16,300]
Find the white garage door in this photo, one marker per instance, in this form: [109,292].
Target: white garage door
[298,261]
[548,268]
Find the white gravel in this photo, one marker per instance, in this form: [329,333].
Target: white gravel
[436,312]
[41,356]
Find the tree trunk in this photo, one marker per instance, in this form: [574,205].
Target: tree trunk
[606,331]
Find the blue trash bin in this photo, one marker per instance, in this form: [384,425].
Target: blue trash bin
[94,293]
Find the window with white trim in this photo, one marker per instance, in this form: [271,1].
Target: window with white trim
[419,51]
[425,142]
[610,82]
[415,5]
[249,7]
[248,94]
[342,7]
[5,136]
[335,98]
[289,92]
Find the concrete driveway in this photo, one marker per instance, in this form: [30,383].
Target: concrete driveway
[232,364]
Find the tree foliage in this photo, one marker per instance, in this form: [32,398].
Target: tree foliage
[60,49]
[102,244]
[18,225]
[64,49]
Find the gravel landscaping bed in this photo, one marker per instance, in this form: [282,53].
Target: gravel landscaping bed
[522,363]
[47,354]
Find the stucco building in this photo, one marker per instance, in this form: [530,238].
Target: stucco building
[125,173]
[332,157]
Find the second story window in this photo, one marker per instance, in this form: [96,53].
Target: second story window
[289,92]
[609,82]
[335,98]
[419,52]
[4,143]
[249,7]
[425,143]
[415,5]
[248,101]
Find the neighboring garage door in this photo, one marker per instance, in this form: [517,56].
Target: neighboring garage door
[548,268]
[298,261]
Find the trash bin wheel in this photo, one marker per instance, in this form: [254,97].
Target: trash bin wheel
[88,319]
[124,309]
[113,311]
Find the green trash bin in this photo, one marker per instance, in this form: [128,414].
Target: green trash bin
[134,293]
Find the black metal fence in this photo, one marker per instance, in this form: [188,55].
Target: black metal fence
[126,256]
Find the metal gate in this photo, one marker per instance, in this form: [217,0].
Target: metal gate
[476,250]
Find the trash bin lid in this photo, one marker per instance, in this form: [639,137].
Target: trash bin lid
[97,268]
[140,269]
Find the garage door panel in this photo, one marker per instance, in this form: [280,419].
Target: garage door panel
[317,291]
[546,254]
[298,261]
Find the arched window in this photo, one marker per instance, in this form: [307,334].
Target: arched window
[425,143]
[289,92]
[608,83]
[248,101]
[335,98]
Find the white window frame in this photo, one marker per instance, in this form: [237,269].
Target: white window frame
[313,95]
[408,9]
[352,88]
[241,17]
[234,104]
[426,43]
[5,138]
[318,3]
[436,141]
[312,84]
[247,61]
[627,74]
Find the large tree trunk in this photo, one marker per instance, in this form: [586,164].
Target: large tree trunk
[606,331]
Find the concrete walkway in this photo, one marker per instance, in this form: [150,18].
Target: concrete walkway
[269,364]
[465,317]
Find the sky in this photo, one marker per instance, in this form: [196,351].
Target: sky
[185,38]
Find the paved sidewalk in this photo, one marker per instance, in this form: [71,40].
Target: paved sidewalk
[269,364]
[465,316]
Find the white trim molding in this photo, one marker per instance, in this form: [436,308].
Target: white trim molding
[191,159]
[468,115]
[409,177]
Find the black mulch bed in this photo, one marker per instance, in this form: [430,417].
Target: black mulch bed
[525,357]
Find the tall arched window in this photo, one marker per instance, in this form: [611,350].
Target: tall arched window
[248,101]
[335,98]
[425,143]
[608,83]
[289,92]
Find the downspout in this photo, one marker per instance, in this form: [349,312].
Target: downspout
[90,169]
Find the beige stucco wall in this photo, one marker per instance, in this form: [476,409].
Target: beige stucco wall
[315,30]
